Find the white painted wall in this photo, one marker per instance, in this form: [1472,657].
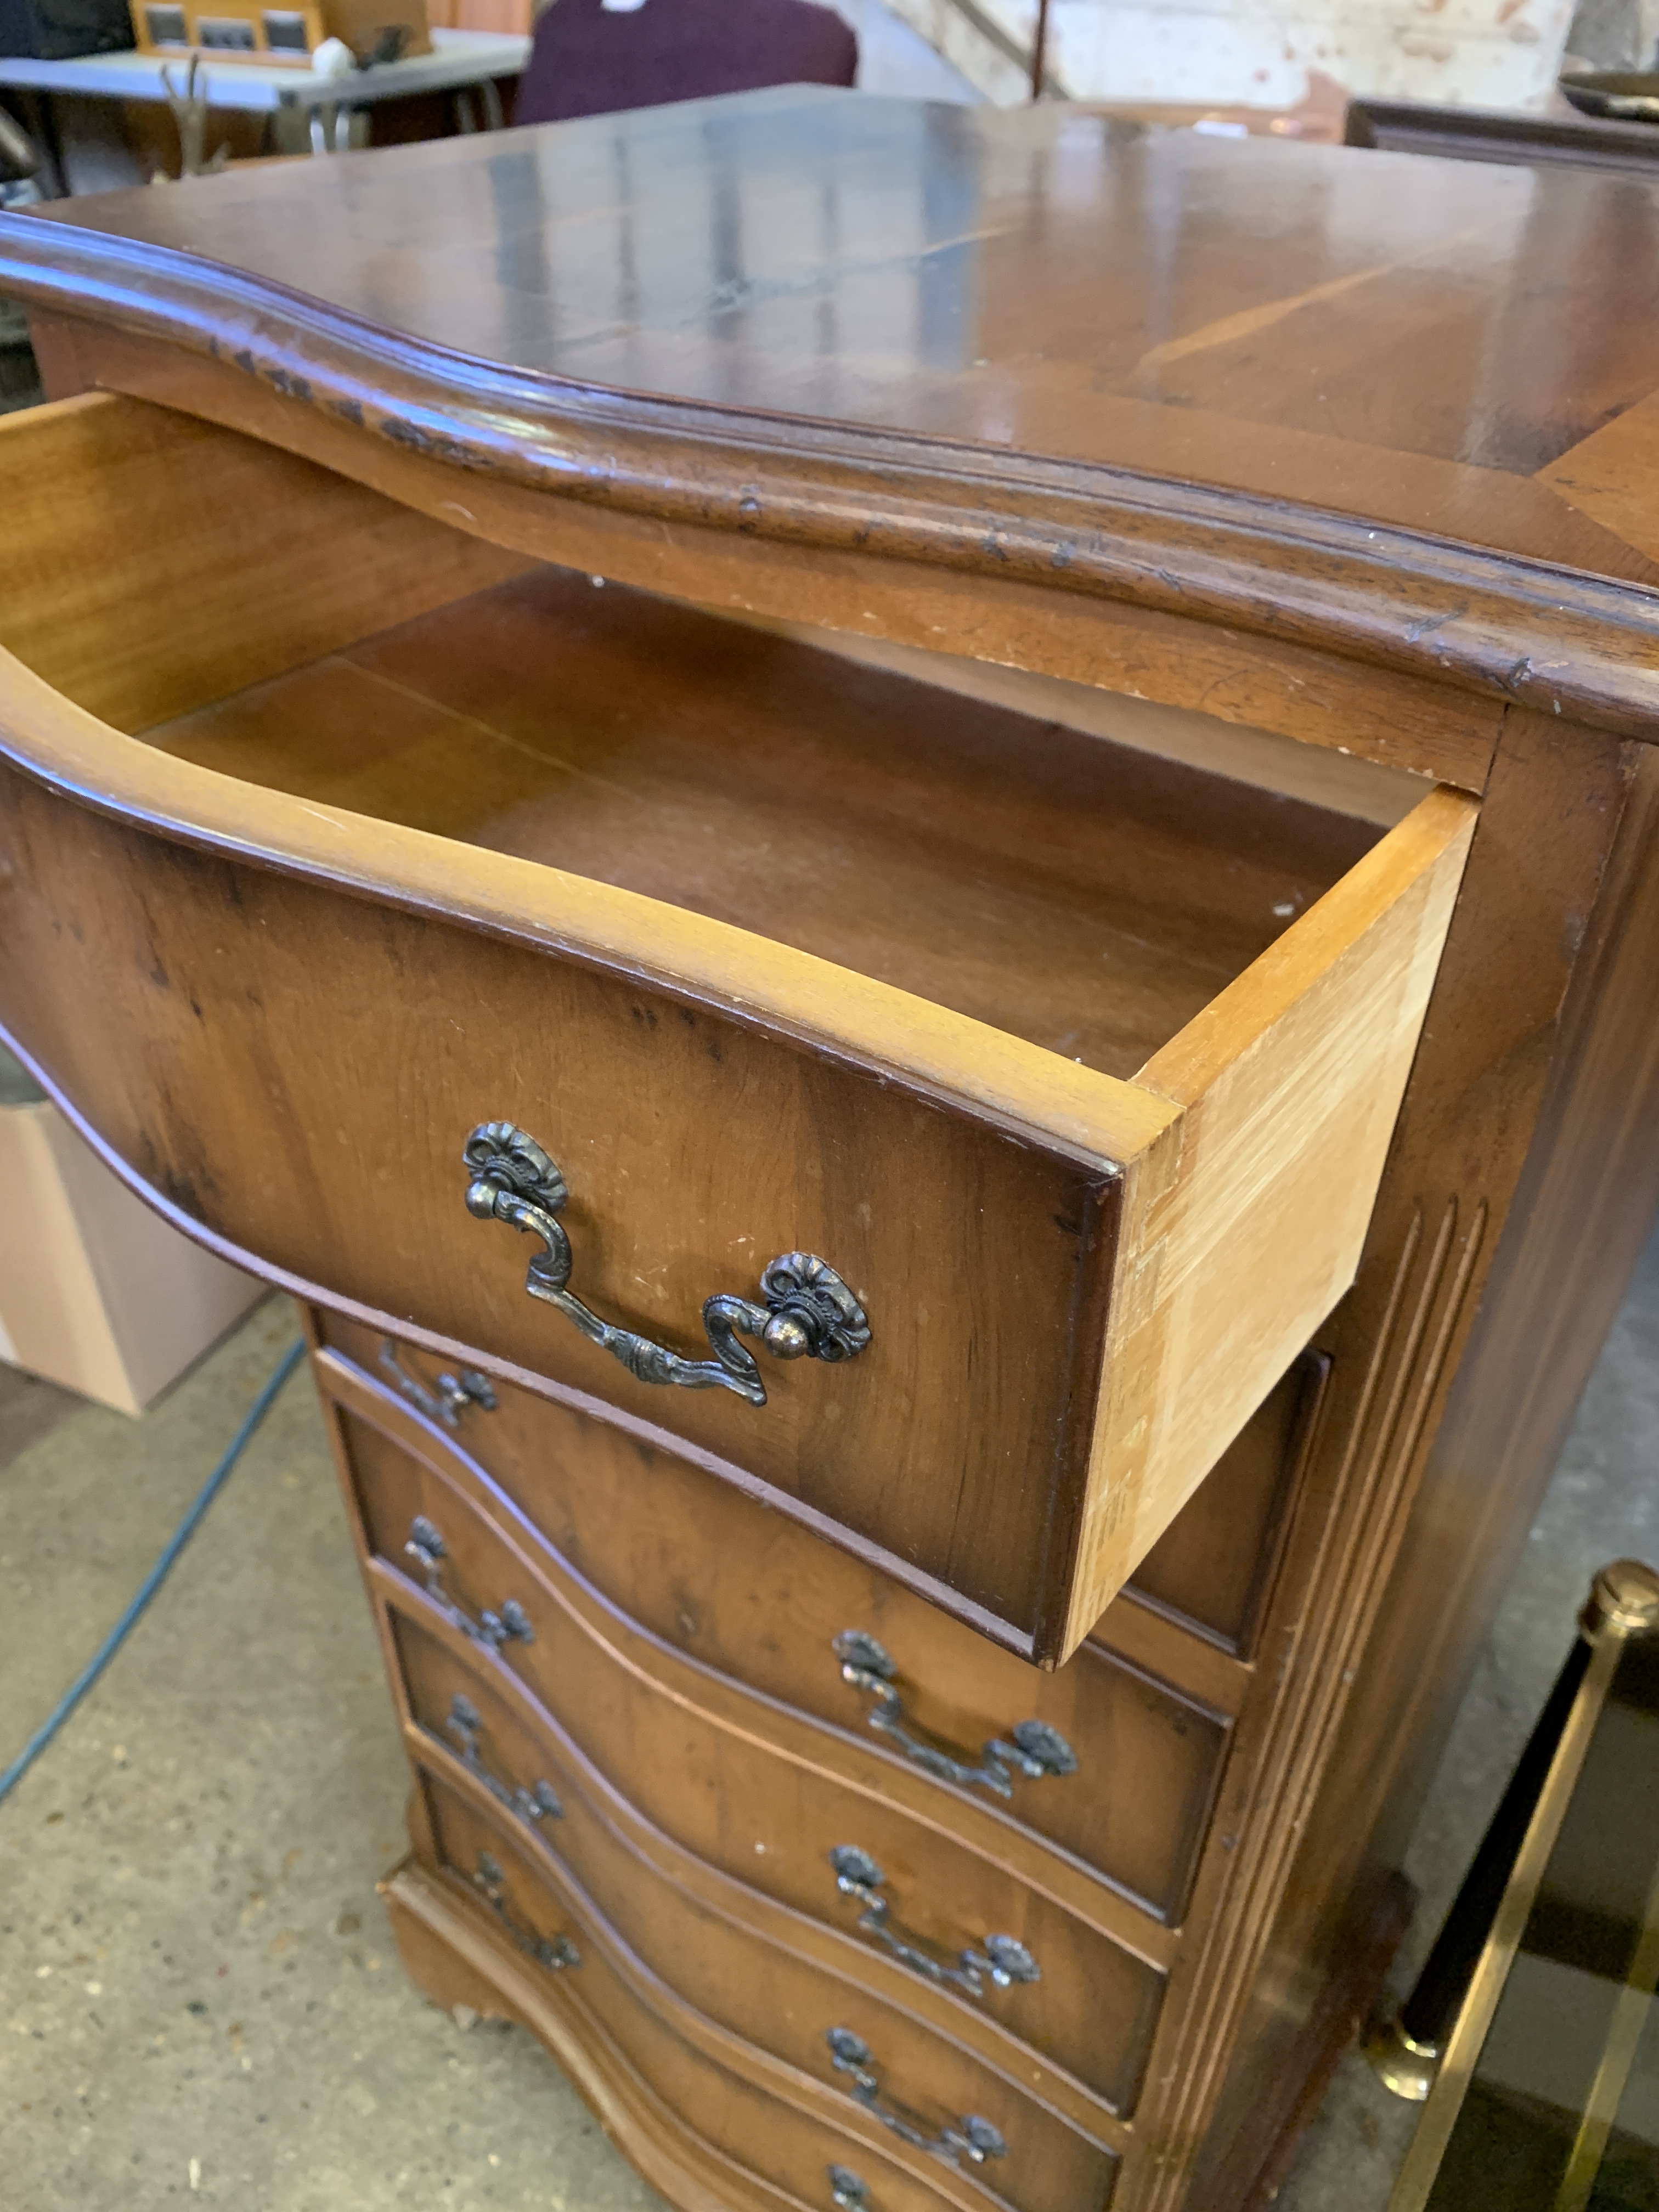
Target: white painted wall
[1474,53]
[896,57]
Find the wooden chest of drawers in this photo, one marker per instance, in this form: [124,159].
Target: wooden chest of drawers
[891,1072]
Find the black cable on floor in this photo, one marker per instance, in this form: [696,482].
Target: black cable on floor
[153,1581]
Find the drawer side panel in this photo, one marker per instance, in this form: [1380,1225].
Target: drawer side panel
[1244,1222]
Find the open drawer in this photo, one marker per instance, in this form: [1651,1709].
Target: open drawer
[330,836]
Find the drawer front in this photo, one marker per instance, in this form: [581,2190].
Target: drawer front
[298,1070]
[750,1824]
[367,1057]
[711,1571]
[775,2004]
[761,2136]
[769,1820]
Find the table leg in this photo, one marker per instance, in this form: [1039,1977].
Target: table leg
[494,120]
[41,121]
[331,127]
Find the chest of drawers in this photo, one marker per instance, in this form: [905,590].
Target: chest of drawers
[955,1123]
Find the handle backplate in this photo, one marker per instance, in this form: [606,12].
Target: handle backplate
[1031,1748]
[454,1393]
[466,1724]
[971,2137]
[1002,1961]
[805,1310]
[511,1624]
[556,1953]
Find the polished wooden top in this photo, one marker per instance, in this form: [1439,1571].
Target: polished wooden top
[965,325]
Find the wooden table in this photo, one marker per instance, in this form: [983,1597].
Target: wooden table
[1014,753]
[467,64]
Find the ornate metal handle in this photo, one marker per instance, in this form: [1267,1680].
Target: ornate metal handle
[808,1311]
[970,2137]
[848,2191]
[454,1394]
[511,1624]
[556,1953]
[466,1724]
[1003,1961]
[1036,1748]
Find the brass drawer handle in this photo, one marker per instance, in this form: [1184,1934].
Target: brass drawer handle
[970,2137]
[1035,1750]
[556,1953]
[466,1724]
[454,1394]
[848,2191]
[510,1626]
[808,1311]
[1003,1961]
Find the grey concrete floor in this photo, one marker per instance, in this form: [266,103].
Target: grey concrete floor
[198,1993]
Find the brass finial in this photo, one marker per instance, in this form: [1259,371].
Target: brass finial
[1624,1600]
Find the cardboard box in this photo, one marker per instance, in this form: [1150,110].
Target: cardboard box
[96,1292]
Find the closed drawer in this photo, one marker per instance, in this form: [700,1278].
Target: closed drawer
[1075,1066]
[666,2080]
[710,1571]
[974,1985]
[749,1792]
[934,2103]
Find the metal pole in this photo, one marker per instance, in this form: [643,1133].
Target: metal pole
[1040,50]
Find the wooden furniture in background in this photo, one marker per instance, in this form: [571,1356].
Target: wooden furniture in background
[516,18]
[1479,134]
[253,30]
[952,696]
[101,110]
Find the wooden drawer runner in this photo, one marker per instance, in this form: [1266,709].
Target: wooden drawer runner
[713,1573]
[721,1782]
[771,959]
[769,2004]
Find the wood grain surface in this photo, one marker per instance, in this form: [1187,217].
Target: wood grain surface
[297,1072]
[1147,366]
[1310,693]
[134,587]
[1343,1730]
[711,1767]
[524,1748]
[1343,448]
[457,1955]
[747,2142]
[723,1969]
[710,1573]
[1202,1576]
[648,2017]
[1246,1217]
[676,766]
[1088,897]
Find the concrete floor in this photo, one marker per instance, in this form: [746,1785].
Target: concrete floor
[198,1994]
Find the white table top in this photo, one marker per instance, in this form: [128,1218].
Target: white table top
[458,57]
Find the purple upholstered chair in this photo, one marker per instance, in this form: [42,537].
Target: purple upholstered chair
[590,60]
